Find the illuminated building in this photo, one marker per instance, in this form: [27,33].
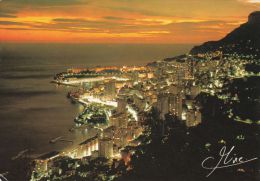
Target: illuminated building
[190,118]
[163,105]
[119,120]
[121,105]
[175,105]
[109,132]
[139,102]
[134,129]
[105,147]
[150,75]
[126,156]
[195,90]
[122,137]
[87,147]
[110,89]
[45,161]
[175,89]
[193,118]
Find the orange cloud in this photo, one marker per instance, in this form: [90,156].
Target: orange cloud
[113,21]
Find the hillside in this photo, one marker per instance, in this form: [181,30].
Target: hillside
[243,40]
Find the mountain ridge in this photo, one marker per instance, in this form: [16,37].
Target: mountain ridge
[243,40]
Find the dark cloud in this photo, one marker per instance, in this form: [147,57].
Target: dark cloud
[44,2]
[98,26]
[7,11]
[11,23]
[17,29]
[9,8]
[137,10]
[75,20]
[7,15]
[116,18]
[82,24]
[190,24]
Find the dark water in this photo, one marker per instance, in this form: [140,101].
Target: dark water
[32,110]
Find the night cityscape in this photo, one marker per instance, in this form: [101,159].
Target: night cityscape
[192,116]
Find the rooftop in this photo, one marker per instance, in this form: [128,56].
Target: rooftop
[48,155]
[89,140]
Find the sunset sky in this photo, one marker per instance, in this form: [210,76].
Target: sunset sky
[121,21]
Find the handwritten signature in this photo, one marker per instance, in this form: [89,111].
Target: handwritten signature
[2,178]
[226,160]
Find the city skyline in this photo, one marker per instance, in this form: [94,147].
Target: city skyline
[114,21]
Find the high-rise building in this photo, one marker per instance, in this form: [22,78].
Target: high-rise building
[109,132]
[175,105]
[119,120]
[190,68]
[190,118]
[180,75]
[44,162]
[198,116]
[110,89]
[193,118]
[163,105]
[105,147]
[121,105]
[195,90]
[86,147]
[150,75]
[173,89]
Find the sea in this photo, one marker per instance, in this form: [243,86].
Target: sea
[33,111]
